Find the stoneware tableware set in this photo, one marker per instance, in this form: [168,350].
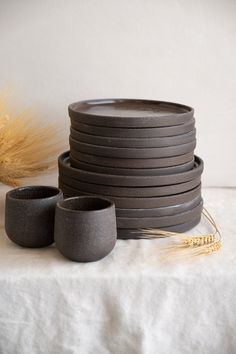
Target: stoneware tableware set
[84,228]
[131,165]
[139,154]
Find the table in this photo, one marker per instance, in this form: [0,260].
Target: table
[130,302]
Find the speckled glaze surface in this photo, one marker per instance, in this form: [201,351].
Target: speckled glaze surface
[156,191]
[85,228]
[65,169]
[129,113]
[129,171]
[157,212]
[140,154]
[130,163]
[162,221]
[29,215]
[135,132]
[132,142]
[139,202]
[132,153]
[136,234]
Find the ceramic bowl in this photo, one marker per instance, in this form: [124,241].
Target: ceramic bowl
[85,228]
[29,215]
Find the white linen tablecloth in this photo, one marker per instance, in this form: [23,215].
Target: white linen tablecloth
[130,302]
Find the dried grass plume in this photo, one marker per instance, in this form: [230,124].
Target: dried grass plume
[27,147]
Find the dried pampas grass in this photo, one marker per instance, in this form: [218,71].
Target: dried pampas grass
[184,245]
[27,148]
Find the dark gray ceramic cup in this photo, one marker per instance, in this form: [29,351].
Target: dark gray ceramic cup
[29,215]
[85,228]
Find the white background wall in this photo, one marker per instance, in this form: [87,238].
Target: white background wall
[54,52]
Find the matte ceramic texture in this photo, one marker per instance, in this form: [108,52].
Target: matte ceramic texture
[129,113]
[126,234]
[135,132]
[155,191]
[129,171]
[131,163]
[162,221]
[156,212]
[139,203]
[133,181]
[133,142]
[85,228]
[29,215]
[132,153]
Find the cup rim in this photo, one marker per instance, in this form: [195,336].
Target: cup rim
[9,194]
[110,206]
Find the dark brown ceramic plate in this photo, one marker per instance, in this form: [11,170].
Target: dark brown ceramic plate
[132,153]
[142,203]
[162,221]
[157,212]
[130,171]
[136,234]
[130,163]
[129,113]
[131,191]
[133,142]
[135,132]
[66,170]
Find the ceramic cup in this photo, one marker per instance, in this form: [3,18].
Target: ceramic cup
[85,228]
[29,215]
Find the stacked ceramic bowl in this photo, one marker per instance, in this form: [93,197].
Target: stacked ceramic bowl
[140,154]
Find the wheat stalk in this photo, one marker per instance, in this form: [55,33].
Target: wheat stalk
[26,147]
[188,244]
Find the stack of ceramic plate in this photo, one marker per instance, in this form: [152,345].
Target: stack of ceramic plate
[140,154]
